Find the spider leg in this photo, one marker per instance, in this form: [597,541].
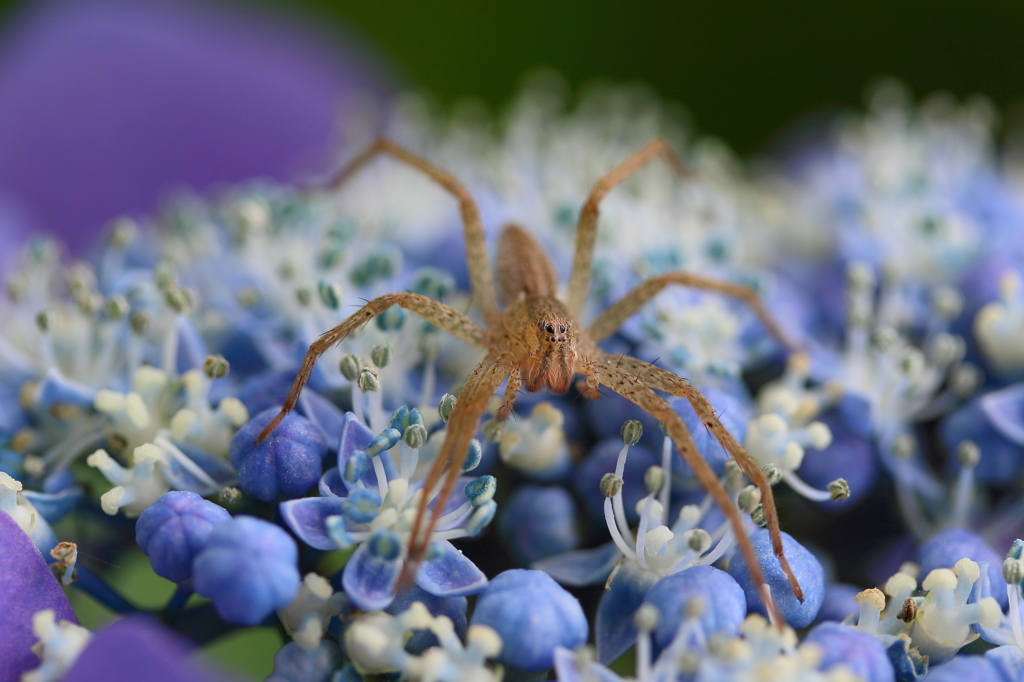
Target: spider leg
[647,374]
[586,228]
[472,403]
[476,246]
[620,311]
[515,380]
[432,311]
[625,383]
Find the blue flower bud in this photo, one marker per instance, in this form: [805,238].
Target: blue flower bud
[1016,549]
[385,544]
[248,568]
[481,490]
[292,663]
[387,439]
[357,465]
[415,417]
[362,505]
[860,651]
[391,319]
[805,567]
[473,455]
[533,615]
[432,282]
[965,669]
[538,522]
[330,294]
[724,604]
[287,464]
[400,418]
[949,546]
[173,530]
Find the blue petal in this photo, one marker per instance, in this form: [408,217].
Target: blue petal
[581,567]
[450,574]
[614,629]
[54,506]
[331,485]
[566,670]
[323,413]
[356,436]
[56,388]
[307,519]
[1005,409]
[371,581]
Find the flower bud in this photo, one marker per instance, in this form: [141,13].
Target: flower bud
[473,455]
[631,432]
[445,407]
[216,366]
[382,354]
[415,436]
[368,380]
[839,490]
[610,485]
[330,294]
[654,479]
[350,367]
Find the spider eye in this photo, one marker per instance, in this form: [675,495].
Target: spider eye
[550,328]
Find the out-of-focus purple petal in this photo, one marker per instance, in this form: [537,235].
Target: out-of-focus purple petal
[370,580]
[53,506]
[26,586]
[107,102]
[450,573]
[307,518]
[138,648]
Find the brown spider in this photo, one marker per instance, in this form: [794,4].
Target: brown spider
[537,342]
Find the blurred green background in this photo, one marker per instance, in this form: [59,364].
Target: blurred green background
[745,70]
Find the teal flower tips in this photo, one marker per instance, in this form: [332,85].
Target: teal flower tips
[481,490]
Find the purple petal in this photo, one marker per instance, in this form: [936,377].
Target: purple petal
[566,670]
[614,630]
[26,586]
[323,413]
[331,484]
[53,506]
[138,648]
[1005,409]
[307,517]
[450,574]
[581,567]
[165,93]
[371,581]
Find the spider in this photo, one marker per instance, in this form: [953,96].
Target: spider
[536,342]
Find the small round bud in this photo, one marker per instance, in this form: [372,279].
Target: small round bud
[885,338]
[1013,571]
[758,516]
[909,611]
[330,294]
[368,380]
[44,320]
[229,495]
[610,485]
[304,296]
[474,455]
[964,379]
[382,354]
[164,275]
[646,618]
[1016,550]
[947,302]
[749,498]
[773,473]
[415,435]
[631,432]
[116,307]
[216,366]
[247,297]
[699,540]
[492,430]
[945,349]
[122,233]
[445,407]
[33,465]
[179,300]
[481,490]
[391,319]
[350,367]
[968,453]
[904,446]
[654,479]
[859,276]
[839,490]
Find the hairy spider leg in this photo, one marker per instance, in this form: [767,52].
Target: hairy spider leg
[477,262]
[624,308]
[657,378]
[586,228]
[437,314]
[472,403]
[626,384]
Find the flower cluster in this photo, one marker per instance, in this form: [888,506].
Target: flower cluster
[133,388]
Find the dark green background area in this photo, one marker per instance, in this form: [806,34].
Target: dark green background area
[745,70]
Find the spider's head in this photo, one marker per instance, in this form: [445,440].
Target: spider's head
[551,362]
